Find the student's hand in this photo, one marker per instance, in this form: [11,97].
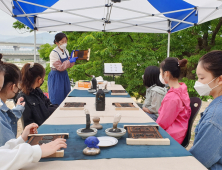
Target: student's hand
[20,101]
[51,147]
[146,110]
[29,129]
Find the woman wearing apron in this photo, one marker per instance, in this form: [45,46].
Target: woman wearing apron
[58,80]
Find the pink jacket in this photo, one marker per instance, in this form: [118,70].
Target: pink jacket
[174,112]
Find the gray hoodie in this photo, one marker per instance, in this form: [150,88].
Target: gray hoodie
[154,97]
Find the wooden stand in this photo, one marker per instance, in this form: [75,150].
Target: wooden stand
[35,138]
[145,135]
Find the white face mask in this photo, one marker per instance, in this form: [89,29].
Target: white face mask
[63,46]
[142,76]
[203,89]
[161,79]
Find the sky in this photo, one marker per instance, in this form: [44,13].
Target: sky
[6,22]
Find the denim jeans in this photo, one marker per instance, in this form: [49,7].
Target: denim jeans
[152,116]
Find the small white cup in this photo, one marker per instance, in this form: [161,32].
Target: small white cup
[112,83]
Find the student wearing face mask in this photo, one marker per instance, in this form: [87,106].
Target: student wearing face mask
[174,112]
[207,146]
[9,117]
[16,153]
[58,80]
[38,107]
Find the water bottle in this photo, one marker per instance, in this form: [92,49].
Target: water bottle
[94,83]
[100,100]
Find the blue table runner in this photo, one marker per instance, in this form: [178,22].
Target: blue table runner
[85,93]
[75,145]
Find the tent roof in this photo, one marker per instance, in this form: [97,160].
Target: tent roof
[150,16]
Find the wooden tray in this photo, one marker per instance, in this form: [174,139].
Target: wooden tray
[125,106]
[35,138]
[73,106]
[119,92]
[82,54]
[145,135]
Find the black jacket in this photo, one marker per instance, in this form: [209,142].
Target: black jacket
[37,107]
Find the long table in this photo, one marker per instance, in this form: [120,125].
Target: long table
[77,117]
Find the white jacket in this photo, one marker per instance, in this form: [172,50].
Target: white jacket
[15,154]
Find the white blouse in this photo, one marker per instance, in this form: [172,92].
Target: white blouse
[55,57]
[16,154]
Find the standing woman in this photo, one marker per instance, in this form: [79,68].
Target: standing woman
[58,80]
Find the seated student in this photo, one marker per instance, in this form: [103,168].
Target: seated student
[15,153]
[38,107]
[155,91]
[174,112]
[8,118]
[207,146]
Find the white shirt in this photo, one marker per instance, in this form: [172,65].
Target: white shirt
[55,57]
[16,154]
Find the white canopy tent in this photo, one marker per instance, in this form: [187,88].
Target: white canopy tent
[145,16]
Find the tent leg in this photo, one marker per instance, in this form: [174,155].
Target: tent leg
[168,47]
[34,46]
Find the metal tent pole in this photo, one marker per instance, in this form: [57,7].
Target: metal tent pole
[168,47]
[35,46]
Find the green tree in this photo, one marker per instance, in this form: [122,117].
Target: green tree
[136,51]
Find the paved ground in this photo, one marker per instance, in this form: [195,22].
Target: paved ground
[204,105]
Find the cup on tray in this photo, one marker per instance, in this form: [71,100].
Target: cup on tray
[112,83]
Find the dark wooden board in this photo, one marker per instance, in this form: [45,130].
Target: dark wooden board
[143,132]
[74,104]
[34,140]
[118,91]
[83,54]
[123,104]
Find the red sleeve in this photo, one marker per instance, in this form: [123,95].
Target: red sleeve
[168,111]
[62,66]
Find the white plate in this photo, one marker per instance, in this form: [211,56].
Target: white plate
[106,141]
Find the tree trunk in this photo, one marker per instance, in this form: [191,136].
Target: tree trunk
[216,31]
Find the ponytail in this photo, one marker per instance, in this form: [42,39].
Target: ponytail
[173,65]
[31,71]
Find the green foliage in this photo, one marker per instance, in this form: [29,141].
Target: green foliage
[20,26]
[45,51]
[44,86]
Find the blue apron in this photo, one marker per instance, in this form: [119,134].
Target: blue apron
[58,84]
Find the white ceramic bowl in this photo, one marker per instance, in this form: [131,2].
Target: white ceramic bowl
[91,90]
[86,135]
[116,135]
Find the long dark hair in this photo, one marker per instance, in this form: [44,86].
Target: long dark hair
[151,76]
[173,65]
[59,37]
[212,62]
[29,75]
[12,73]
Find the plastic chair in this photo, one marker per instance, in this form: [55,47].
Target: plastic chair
[195,104]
